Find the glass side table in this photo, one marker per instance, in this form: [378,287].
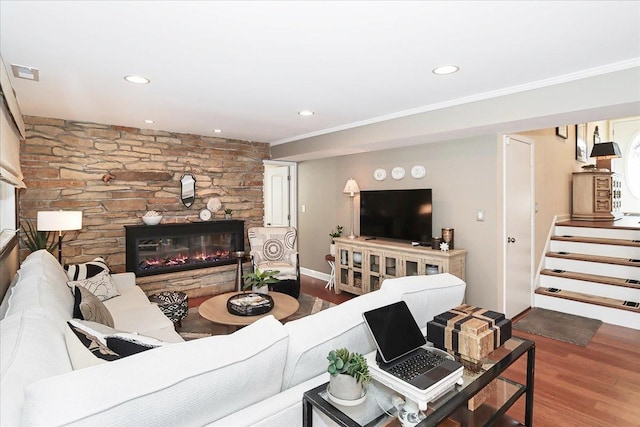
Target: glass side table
[376,410]
[453,405]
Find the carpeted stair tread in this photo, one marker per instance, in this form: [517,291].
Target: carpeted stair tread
[595,258]
[598,241]
[590,299]
[606,280]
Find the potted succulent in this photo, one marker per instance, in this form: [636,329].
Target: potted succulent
[349,375]
[334,233]
[227,213]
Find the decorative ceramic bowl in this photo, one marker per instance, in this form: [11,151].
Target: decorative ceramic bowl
[152,220]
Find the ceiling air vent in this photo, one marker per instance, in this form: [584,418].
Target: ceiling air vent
[24,72]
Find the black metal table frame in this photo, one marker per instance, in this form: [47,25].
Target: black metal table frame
[312,398]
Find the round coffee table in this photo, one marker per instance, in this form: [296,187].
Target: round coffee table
[215,309]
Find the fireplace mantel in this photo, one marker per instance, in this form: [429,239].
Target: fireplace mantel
[167,248]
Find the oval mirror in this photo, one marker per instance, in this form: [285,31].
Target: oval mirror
[188,189]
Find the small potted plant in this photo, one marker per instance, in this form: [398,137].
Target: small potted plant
[349,375]
[334,233]
[257,280]
[36,240]
[227,213]
[257,301]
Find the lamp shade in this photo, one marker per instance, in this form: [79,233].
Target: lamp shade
[606,150]
[59,220]
[351,187]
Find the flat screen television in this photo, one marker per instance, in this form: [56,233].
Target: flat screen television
[396,214]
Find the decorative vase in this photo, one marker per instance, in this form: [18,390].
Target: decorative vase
[332,249]
[345,387]
[227,216]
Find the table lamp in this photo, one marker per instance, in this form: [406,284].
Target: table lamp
[351,188]
[59,221]
[603,152]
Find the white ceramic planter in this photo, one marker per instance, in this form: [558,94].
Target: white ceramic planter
[332,249]
[345,387]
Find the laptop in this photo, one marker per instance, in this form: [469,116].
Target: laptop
[400,342]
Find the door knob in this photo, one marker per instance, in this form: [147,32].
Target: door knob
[511,240]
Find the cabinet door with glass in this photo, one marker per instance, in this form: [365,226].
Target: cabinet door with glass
[391,265]
[431,266]
[411,266]
[374,271]
[349,266]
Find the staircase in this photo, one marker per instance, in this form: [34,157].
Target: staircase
[593,269]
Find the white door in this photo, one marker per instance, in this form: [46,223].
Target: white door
[518,214]
[276,196]
[626,133]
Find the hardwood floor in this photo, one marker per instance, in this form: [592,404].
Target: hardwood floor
[316,287]
[595,386]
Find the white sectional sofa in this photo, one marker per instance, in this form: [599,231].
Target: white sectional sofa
[255,376]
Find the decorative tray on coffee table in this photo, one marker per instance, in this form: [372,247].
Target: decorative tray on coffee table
[249,304]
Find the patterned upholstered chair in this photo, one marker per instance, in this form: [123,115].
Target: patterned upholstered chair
[274,248]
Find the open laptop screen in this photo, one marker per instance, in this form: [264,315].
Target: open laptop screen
[394,330]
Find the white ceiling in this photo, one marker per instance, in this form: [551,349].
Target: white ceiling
[249,67]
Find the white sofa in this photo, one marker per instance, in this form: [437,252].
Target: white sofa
[255,376]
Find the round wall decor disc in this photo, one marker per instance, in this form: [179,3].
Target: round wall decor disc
[380,174]
[398,172]
[214,204]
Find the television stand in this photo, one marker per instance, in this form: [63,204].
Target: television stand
[363,263]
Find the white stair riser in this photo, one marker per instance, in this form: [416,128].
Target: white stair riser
[591,288]
[627,252]
[613,316]
[601,269]
[605,233]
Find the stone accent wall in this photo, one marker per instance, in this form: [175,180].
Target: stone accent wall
[67,165]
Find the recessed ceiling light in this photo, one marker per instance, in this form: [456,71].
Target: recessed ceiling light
[137,79]
[149,121]
[306,113]
[217,130]
[445,69]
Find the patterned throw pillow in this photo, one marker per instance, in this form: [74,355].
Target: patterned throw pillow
[126,344]
[86,347]
[86,270]
[100,285]
[90,307]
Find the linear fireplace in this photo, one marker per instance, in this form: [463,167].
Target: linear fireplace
[166,248]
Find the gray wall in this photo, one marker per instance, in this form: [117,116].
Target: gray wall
[462,175]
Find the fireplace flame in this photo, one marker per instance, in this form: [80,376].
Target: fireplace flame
[180,259]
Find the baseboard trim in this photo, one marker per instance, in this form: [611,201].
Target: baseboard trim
[315,274]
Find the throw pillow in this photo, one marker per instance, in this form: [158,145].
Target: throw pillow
[91,308]
[101,285]
[87,269]
[127,344]
[85,347]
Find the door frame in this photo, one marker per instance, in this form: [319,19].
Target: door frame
[293,189]
[503,229]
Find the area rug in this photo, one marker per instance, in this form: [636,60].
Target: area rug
[559,326]
[195,326]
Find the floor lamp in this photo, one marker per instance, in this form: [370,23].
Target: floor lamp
[59,221]
[351,188]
